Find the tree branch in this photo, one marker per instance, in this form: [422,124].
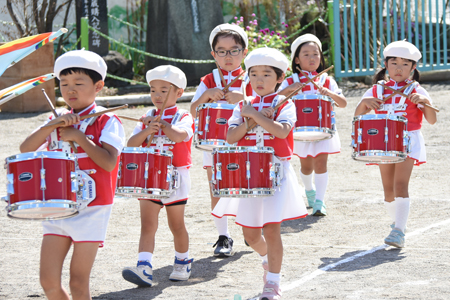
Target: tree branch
[14,17]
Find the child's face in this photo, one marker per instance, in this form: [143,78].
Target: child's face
[309,57]
[264,80]
[399,69]
[228,62]
[78,90]
[159,90]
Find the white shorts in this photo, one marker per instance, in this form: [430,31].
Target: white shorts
[329,146]
[180,194]
[255,212]
[89,226]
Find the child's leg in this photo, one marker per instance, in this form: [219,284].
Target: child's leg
[255,240]
[149,224]
[387,172]
[53,251]
[402,202]
[221,223]
[321,175]
[83,258]
[175,217]
[306,169]
[272,234]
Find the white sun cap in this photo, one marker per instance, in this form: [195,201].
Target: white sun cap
[81,59]
[226,26]
[402,49]
[168,73]
[266,57]
[304,39]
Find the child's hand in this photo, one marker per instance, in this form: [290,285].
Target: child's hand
[267,112]
[233,97]
[69,134]
[248,111]
[419,99]
[153,127]
[294,86]
[372,103]
[146,120]
[215,94]
[68,119]
[324,91]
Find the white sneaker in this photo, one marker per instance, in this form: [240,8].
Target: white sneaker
[142,274]
[181,269]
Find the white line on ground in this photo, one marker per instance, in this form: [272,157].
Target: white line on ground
[301,281]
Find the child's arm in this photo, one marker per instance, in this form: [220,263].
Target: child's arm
[234,97]
[174,133]
[279,130]
[290,88]
[338,98]
[368,103]
[429,114]
[139,138]
[37,138]
[214,94]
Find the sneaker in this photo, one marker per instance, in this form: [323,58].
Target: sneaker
[393,226]
[181,269]
[265,266]
[142,274]
[271,291]
[319,209]
[396,238]
[311,196]
[224,246]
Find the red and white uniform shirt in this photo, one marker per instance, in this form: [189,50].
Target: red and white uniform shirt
[284,114]
[213,80]
[323,80]
[106,128]
[184,121]
[399,105]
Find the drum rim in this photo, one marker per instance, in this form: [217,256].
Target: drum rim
[126,191]
[380,117]
[379,153]
[312,97]
[71,208]
[242,149]
[225,106]
[145,150]
[244,193]
[40,154]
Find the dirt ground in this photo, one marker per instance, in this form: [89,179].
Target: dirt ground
[341,256]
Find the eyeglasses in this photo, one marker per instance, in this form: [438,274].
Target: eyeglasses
[223,53]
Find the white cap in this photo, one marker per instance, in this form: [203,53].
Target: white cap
[81,59]
[226,26]
[168,73]
[266,57]
[304,39]
[402,49]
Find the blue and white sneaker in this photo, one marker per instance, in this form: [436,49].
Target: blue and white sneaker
[396,238]
[393,226]
[311,196]
[142,274]
[319,209]
[181,269]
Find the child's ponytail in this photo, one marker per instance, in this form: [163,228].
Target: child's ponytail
[381,75]
[416,75]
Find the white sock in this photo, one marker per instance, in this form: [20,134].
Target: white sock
[307,181]
[222,225]
[274,277]
[321,181]
[145,256]
[263,258]
[182,256]
[390,207]
[402,206]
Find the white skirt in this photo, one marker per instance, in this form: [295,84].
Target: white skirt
[329,146]
[417,147]
[207,159]
[89,226]
[255,212]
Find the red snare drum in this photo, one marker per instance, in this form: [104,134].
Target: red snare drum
[41,186]
[212,126]
[380,138]
[146,173]
[315,118]
[243,172]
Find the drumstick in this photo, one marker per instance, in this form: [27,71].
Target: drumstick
[253,123]
[406,96]
[230,84]
[312,79]
[244,93]
[91,115]
[129,118]
[391,95]
[313,82]
[72,145]
[159,117]
[221,74]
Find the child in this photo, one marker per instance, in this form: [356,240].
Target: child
[99,143]
[266,67]
[400,59]
[229,47]
[307,55]
[174,133]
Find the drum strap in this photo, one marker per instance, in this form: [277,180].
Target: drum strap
[161,140]
[217,78]
[54,144]
[391,108]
